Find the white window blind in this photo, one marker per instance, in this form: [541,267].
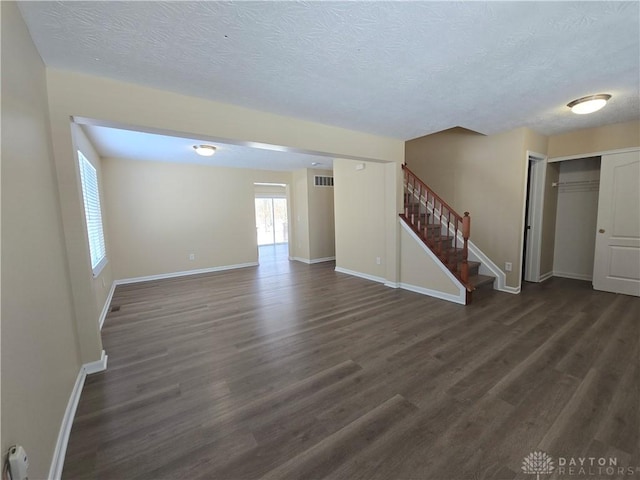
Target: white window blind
[93,214]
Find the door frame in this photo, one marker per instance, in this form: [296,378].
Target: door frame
[287,197]
[532,216]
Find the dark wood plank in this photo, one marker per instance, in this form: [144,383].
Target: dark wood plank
[295,371]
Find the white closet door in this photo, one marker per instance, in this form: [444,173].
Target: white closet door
[616,266]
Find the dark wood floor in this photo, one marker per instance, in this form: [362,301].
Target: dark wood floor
[293,371]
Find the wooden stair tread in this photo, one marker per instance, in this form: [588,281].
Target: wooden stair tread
[471,264]
[432,219]
[479,280]
[444,240]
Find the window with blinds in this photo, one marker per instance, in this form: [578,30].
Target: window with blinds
[93,214]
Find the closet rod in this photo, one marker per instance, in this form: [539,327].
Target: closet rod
[575,182]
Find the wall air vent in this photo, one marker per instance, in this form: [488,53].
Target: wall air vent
[322,181]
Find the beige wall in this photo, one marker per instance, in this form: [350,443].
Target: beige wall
[300,246]
[40,358]
[535,142]
[394,204]
[159,213]
[321,218]
[101,283]
[135,105]
[595,140]
[360,217]
[75,233]
[124,104]
[484,175]
[418,269]
[275,191]
[313,218]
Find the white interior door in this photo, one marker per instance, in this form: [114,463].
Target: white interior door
[534,219]
[616,266]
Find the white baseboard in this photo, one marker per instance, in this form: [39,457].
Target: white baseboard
[97,366]
[434,293]
[366,276]
[323,259]
[392,284]
[55,471]
[507,289]
[57,462]
[163,276]
[107,304]
[313,260]
[545,276]
[573,276]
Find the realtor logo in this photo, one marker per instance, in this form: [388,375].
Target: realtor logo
[538,463]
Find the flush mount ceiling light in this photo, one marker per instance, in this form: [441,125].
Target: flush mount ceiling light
[589,104]
[205,150]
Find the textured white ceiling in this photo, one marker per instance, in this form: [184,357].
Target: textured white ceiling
[133,145]
[400,69]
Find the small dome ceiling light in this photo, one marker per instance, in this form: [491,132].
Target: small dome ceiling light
[589,104]
[205,150]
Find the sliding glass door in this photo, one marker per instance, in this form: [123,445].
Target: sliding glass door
[271,221]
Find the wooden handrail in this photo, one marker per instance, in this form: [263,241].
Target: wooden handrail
[404,167]
[438,225]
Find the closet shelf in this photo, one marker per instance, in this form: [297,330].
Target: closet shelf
[576,183]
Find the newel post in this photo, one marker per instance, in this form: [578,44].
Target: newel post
[466,230]
[466,226]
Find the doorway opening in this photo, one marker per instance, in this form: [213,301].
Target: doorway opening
[597,224]
[534,203]
[272,221]
[578,188]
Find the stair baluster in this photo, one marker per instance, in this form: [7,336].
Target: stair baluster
[438,225]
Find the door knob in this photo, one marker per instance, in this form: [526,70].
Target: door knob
[601,230]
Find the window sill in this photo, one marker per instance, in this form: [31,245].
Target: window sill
[97,270]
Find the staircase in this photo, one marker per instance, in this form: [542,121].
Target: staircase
[442,230]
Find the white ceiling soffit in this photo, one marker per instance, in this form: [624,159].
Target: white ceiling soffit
[134,145]
[400,69]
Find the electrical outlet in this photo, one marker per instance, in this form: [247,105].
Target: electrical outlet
[508,266]
[192,256]
[378,261]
